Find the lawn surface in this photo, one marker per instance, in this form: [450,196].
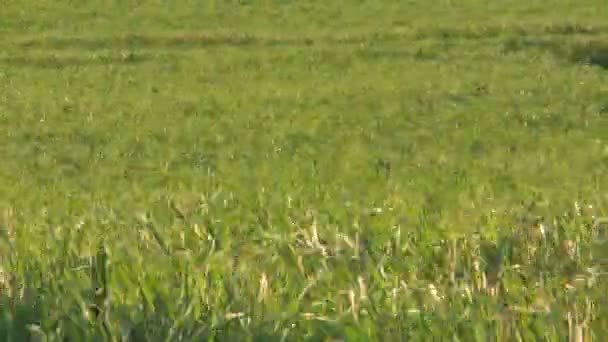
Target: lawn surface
[303,170]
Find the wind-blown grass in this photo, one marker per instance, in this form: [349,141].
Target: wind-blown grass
[303,171]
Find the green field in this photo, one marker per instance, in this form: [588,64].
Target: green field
[300,170]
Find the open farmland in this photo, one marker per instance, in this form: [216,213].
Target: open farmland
[303,170]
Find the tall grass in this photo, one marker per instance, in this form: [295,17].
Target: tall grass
[303,171]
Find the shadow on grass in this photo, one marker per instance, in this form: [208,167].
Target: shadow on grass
[494,31]
[48,56]
[179,41]
[592,52]
[61,62]
[203,40]
[21,321]
[18,319]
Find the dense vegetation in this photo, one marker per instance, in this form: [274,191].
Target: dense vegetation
[303,170]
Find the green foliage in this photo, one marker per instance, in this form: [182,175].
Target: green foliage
[299,170]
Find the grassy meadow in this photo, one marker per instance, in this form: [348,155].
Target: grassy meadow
[303,170]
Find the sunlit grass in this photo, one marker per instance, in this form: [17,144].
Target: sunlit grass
[188,173]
